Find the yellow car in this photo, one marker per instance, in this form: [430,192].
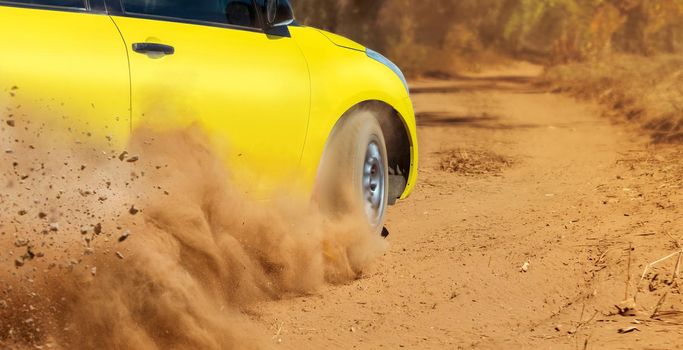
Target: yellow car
[287,106]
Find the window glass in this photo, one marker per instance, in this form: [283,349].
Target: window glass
[58,3]
[233,12]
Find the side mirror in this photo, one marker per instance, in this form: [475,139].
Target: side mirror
[278,13]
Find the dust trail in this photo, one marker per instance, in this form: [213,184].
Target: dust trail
[151,248]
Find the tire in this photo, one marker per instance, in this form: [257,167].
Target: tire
[354,173]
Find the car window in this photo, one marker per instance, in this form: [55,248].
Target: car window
[80,4]
[232,12]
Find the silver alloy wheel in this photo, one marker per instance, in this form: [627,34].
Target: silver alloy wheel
[353,179]
[374,183]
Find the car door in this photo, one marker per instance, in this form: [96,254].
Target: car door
[64,63]
[209,62]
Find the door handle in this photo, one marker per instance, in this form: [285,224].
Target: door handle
[153,49]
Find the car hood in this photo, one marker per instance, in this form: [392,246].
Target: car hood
[342,41]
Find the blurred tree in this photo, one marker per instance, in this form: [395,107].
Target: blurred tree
[432,33]
[321,14]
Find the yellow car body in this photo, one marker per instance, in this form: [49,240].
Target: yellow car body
[269,102]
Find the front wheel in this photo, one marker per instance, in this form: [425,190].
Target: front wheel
[354,176]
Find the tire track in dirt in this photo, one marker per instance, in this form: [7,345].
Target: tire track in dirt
[453,279]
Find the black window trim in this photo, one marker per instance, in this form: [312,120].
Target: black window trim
[84,9]
[117,9]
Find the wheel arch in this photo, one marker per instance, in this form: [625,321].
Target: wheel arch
[400,143]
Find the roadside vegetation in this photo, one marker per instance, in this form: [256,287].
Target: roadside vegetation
[624,53]
[448,36]
[644,90]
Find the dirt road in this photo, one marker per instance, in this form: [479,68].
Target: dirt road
[513,179]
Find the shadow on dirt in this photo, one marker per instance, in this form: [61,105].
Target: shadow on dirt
[484,121]
[461,83]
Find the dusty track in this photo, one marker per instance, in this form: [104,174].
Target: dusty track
[538,178]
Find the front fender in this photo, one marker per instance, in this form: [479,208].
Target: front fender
[342,78]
